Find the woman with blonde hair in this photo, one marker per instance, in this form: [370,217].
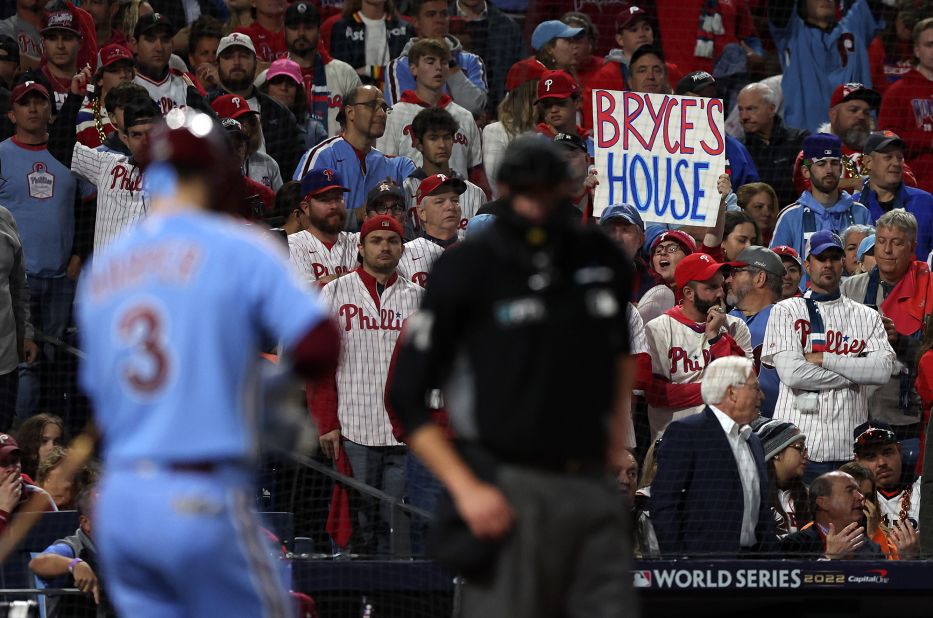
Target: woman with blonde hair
[517,114]
[760,201]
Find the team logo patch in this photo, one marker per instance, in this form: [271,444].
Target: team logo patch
[41,182]
[236,101]
[329,174]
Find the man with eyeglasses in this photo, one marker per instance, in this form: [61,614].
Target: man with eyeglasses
[876,447]
[323,251]
[684,340]
[387,198]
[752,288]
[353,154]
[722,512]
[439,210]
[829,351]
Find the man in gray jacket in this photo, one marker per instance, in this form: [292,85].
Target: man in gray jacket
[16,343]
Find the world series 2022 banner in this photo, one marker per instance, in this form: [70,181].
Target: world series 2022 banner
[661,153]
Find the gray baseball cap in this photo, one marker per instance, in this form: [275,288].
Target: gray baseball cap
[763,258]
[625,212]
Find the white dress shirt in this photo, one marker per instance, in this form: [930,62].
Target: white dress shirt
[748,473]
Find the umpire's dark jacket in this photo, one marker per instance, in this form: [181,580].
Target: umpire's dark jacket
[697,500]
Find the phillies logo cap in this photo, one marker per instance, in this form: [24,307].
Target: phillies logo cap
[318,181]
[235,39]
[556,85]
[437,183]
[231,106]
[8,444]
[855,91]
[696,267]
[628,17]
[60,20]
[21,90]
[381,222]
[112,53]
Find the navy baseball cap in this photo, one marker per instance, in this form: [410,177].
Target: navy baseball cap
[823,241]
[318,181]
[822,146]
[622,211]
[552,29]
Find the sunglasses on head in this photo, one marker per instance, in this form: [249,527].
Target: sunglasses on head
[874,436]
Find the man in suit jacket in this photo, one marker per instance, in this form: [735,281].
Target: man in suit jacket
[710,494]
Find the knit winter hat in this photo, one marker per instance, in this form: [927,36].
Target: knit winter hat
[776,435]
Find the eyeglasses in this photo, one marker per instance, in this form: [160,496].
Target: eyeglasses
[374,105]
[396,207]
[668,249]
[800,447]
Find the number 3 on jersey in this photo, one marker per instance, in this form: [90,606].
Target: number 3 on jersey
[147,366]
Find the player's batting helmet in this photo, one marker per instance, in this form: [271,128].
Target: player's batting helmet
[191,142]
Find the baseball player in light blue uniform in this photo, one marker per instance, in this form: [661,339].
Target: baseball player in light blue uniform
[172,317]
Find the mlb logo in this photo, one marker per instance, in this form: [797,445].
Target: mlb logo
[642,579]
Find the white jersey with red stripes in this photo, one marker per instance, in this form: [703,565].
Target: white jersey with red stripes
[470,202]
[851,330]
[315,260]
[369,325]
[170,92]
[398,139]
[418,258]
[121,201]
[680,354]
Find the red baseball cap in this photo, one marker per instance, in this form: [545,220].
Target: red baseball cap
[684,239]
[231,106]
[629,16]
[432,184]
[697,267]
[381,222]
[8,445]
[25,88]
[788,252]
[850,91]
[524,71]
[556,85]
[114,52]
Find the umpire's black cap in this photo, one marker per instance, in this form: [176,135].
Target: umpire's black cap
[532,162]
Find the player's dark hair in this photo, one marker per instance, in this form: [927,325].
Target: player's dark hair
[29,438]
[433,119]
[428,47]
[735,218]
[122,94]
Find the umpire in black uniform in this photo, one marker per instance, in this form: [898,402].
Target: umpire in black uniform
[525,328]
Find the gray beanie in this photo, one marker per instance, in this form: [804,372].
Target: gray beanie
[776,435]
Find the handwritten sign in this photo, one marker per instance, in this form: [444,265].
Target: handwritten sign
[661,153]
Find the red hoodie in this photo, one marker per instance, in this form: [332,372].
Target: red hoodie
[907,109]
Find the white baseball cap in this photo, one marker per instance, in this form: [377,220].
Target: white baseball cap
[234,39]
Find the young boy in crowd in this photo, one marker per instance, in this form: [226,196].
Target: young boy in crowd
[433,133]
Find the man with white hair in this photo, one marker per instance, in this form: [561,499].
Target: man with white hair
[723,510]
[772,144]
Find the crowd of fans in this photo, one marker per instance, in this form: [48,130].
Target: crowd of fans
[385,125]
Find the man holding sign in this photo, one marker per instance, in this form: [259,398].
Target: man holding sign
[823,206]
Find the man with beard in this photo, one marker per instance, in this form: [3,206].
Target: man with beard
[851,120]
[683,341]
[752,287]
[323,251]
[236,68]
[829,351]
[353,155]
[168,87]
[876,447]
[824,206]
[372,304]
[327,80]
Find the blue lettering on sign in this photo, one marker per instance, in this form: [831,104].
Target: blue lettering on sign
[650,185]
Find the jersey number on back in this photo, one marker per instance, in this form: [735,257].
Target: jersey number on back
[147,368]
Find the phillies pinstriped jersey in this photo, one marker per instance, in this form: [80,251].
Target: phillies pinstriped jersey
[636,329]
[906,500]
[470,202]
[315,260]
[467,151]
[121,201]
[369,325]
[680,353]
[169,93]
[826,402]
[418,258]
